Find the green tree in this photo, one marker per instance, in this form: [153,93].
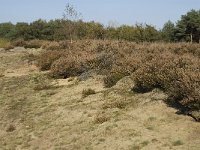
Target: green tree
[151,34]
[189,27]
[7,30]
[21,31]
[139,33]
[37,29]
[168,31]
[57,27]
[94,30]
[111,33]
[126,32]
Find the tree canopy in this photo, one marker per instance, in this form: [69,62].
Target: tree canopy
[71,27]
[188,28]
[168,31]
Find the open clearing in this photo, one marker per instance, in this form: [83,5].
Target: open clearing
[60,118]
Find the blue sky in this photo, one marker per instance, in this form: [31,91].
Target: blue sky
[154,12]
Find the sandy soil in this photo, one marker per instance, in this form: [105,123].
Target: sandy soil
[60,118]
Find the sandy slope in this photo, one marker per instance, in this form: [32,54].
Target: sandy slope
[60,118]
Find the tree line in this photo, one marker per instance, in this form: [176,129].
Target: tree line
[187,29]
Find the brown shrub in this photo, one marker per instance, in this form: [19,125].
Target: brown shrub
[8,47]
[46,58]
[128,63]
[178,75]
[67,66]
[101,62]
[19,43]
[53,45]
[186,90]
[33,44]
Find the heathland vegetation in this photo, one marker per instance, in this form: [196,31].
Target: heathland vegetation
[73,47]
[174,68]
[70,84]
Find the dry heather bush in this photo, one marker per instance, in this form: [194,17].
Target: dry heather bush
[8,47]
[75,65]
[64,44]
[54,45]
[127,63]
[101,62]
[155,72]
[34,44]
[186,90]
[30,58]
[67,66]
[46,58]
[19,43]
[178,75]
[121,56]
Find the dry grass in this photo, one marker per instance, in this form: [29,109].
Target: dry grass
[42,82]
[101,117]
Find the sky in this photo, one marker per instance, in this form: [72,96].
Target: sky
[118,12]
